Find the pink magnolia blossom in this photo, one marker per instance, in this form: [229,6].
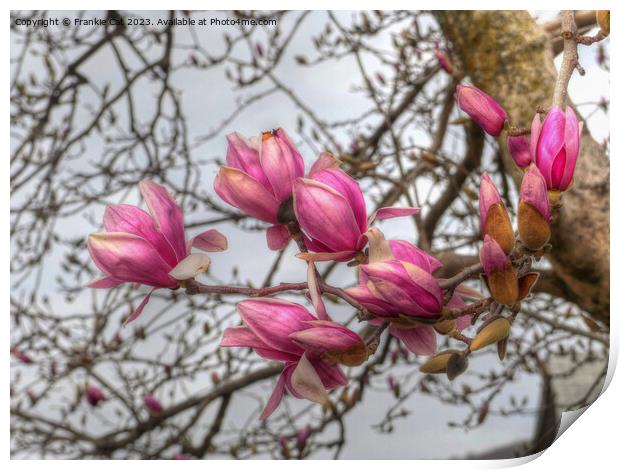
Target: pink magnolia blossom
[555,144]
[153,404]
[285,331]
[519,148]
[149,247]
[482,108]
[258,180]
[94,395]
[398,285]
[534,192]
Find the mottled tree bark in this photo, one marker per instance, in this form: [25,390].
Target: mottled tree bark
[509,56]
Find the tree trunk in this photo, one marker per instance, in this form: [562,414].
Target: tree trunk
[509,56]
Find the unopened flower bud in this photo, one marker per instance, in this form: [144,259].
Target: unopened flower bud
[494,218]
[483,109]
[494,330]
[94,395]
[519,148]
[501,276]
[153,404]
[534,210]
[457,364]
[438,363]
[554,145]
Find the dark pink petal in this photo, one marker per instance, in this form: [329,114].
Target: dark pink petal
[550,142]
[137,312]
[281,162]
[278,237]
[420,340]
[275,398]
[129,258]
[405,251]
[104,283]
[324,161]
[211,240]
[394,284]
[132,219]
[242,191]
[243,154]
[347,187]
[519,147]
[572,139]
[482,108]
[273,320]
[393,212]
[167,214]
[325,215]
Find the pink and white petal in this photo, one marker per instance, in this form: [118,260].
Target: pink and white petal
[243,154]
[393,212]
[273,320]
[138,311]
[323,162]
[315,293]
[242,191]
[349,189]
[405,251]
[420,340]
[210,241]
[278,237]
[167,214]
[104,283]
[275,398]
[191,265]
[281,163]
[129,258]
[132,219]
[379,249]
[305,381]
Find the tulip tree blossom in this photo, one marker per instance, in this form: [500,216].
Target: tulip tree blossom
[149,247]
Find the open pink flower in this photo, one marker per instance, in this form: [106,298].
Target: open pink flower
[284,331]
[149,247]
[259,180]
[398,285]
[555,145]
[482,108]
